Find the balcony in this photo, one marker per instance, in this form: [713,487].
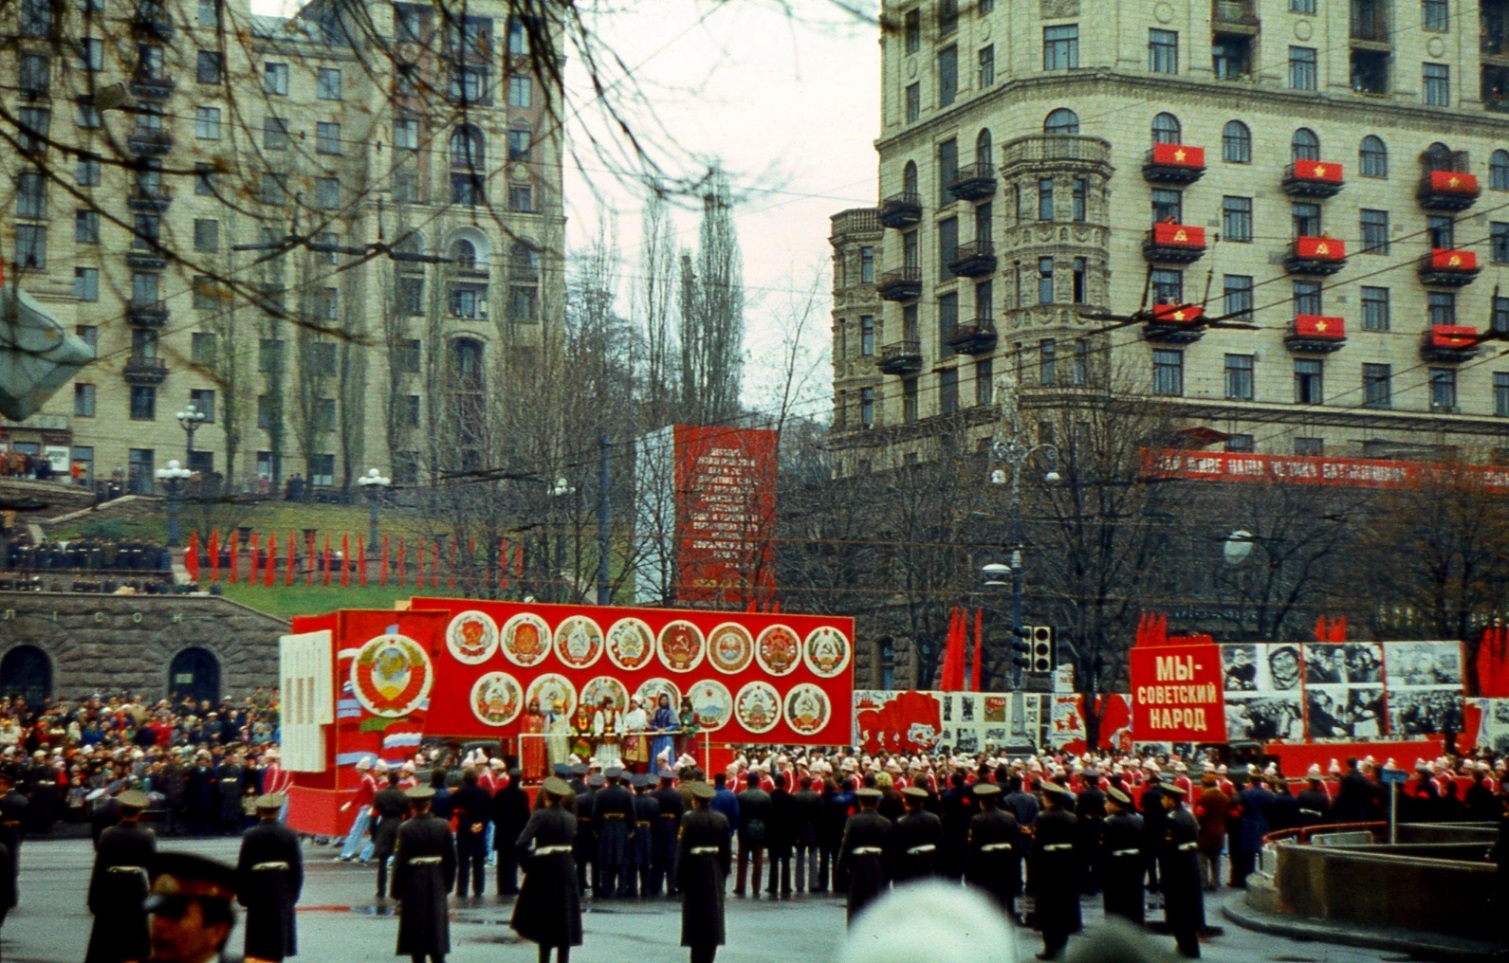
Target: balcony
[1174,243]
[901,358]
[146,314]
[973,260]
[1234,16]
[975,337]
[1174,164]
[903,284]
[901,210]
[974,183]
[153,23]
[150,142]
[1313,179]
[522,271]
[147,258]
[145,371]
[1447,191]
[155,200]
[1175,324]
[1316,255]
[1060,151]
[152,87]
[1450,343]
[1316,332]
[1370,29]
[1445,268]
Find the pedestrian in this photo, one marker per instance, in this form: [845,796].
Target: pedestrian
[861,855]
[703,861]
[270,876]
[664,833]
[586,835]
[549,909]
[754,821]
[1179,872]
[392,807]
[918,840]
[1121,866]
[424,870]
[779,838]
[1314,801]
[472,811]
[1210,813]
[509,817]
[191,908]
[118,885]
[991,863]
[1256,804]
[806,811]
[1053,870]
[361,798]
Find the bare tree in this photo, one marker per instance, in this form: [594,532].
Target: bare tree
[712,313]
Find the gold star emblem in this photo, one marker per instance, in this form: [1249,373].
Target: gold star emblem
[1320,170]
[1321,326]
[1179,155]
[1179,315]
[1453,181]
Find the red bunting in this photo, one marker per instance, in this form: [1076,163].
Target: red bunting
[450,579]
[251,572]
[361,561]
[382,573]
[235,558]
[974,672]
[270,570]
[503,564]
[327,560]
[951,677]
[419,569]
[401,573]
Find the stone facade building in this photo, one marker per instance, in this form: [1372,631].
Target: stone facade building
[1334,177]
[328,232]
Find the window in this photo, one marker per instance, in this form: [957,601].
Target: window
[1241,443]
[867,265]
[1437,85]
[327,193]
[31,195]
[1441,230]
[1304,145]
[274,133]
[204,179]
[206,235]
[1377,390]
[1239,377]
[1309,447]
[327,138]
[1045,199]
[275,79]
[202,348]
[520,198]
[1061,47]
[1047,362]
[909,400]
[269,355]
[34,75]
[204,294]
[410,411]
[1167,286]
[1302,6]
[204,400]
[1236,143]
[1443,389]
[1045,280]
[1441,307]
[948,391]
[210,67]
[520,92]
[984,301]
[322,357]
[464,303]
[1079,195]
[86,283]
[985,74]
[1498,243]
[948,75]
[1168,206]
[948,17]
[1163,51]
[207,123]
[323,414]
[866,336]
[1375,308]
[469,85]
[209,13]
[1236,219]
[913,102]
[948,170]
[1374,231]
[145,288]
[143,403]
[92,54]
[1307,297]
[1302,72]
[1305,218]
[31,246]
[1372,158]
[1498,170]
[867,407]
[948,323]
[984,381]
[408,353]
[1499,319]
[411,295]
[519,145]
[1501,393]
[1434,15]
[327,84]
[1168,372]
[1237,296]
[36,19]
[1308,384]
[1166,129]
[89,114]
[83,401]
[1062,121]
[31,133]
[274,190]
[89,334]
[406,133]
[322,470]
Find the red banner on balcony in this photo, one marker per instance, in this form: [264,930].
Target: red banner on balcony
[1447,259]
[1178,235]
[1453,182]
[1178,155]
[1178,313]
[1320,326]
[1453,336]
[1321,248]
[1309,170]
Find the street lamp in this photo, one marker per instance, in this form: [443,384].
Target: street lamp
[189,419]
[174,479]
[373,484]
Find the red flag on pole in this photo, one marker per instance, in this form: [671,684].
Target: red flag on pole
[235,560]
[251,573]
[327,560]
[382,573]
[214,553]
[951,678]
[293,554]
[435,567]
[502,564]
[518,561]
[419,569]
[191,555]
[345,559]
[401,572]
[270,571]
[361,560]
[450,575]
[974,671]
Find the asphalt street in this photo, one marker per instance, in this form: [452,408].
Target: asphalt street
[339,920]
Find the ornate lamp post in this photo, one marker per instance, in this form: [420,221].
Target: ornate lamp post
[189,419]
[174,479]
[373,485]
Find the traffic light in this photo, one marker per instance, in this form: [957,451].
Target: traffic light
[1040,648]
[1021,649]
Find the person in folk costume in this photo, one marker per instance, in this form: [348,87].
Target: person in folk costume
[1121,866]
[191,909]
[270,873]
[391,806]
[1053,870]
[582,741]
[607,729]
[704,858]
[118,885]
[558,735]
[664,724]
[861,855]
[424,870]
[1178,855]
[636,744]
[510,816]
[991,863]
[917,844]
[691,727]
[532,742]
[549,909]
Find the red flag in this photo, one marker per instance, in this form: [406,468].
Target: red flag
[382,573]
[361,560]
[270,571]
[435,567]
[235,560]
[952,676]
[518,561]
[974,672]
[345,559]
[214,553]
[419,569]
[1320,628]
[309,558]
[401,573]
[327,560]
[251,572]
[503,564]
[1339,629]
[293,554]
[191,555]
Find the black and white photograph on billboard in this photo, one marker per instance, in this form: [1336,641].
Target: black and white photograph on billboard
[1343,713]
[1325,664]
[1239,665]
[1364,662]
[1265,718]
[1284,668]
[1424,712]
[1416,664]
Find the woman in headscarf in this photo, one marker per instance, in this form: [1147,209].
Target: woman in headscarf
[532,743]
[665,724]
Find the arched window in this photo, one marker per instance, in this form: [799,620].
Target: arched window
[1498,170]
[1372,157]
[1236,143]
[411,243]
[27,672]
[1437,157]
[468,357]
[1166,129]
[464,254]
[467,148]
[1304,145]
[1062,122]
[909,178]
[196,673]
[982,149]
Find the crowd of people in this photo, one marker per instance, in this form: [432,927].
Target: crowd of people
[103,565]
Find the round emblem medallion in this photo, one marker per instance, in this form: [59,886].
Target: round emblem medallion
[681,646]
[730,648]
[578,641]
[472,637]
[778,650]
[826,651]
[758,707]
[630,644]
[526,639]
[497,698]
[807,709]
[712,703]
[551,688]
[650,691]
[391,676]
[605,685]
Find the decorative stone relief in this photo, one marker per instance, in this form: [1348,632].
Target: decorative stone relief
[1054,9]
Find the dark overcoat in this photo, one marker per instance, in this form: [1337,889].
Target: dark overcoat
[424,870]
[703,859]
[549,908]
[270,871]
[117,888]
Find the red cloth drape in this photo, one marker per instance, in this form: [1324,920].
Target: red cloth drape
[401,573]
[974,671]
[951,677]
[251,572]
[382,573]
[270,570]
[419,569]
[361,560]
[235,560]
[327,560]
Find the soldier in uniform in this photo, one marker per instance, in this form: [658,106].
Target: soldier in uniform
[424,870]
[391,807]
[12,811]
[510,816]
[586,837]
[1053,870]
[991,863]
[119,885]
[613,818]
[192,909]
[667,827]
[549,908]
[703,861]
[1090,807]
[861,855]
[917,843]
[1121,866]
[646,815]
[1179,872]
[270,871]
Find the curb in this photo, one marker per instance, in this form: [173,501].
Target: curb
[1432,946]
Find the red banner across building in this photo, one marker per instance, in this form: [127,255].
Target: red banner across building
[1230,466]
[1177,694]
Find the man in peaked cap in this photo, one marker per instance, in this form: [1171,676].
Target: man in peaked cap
[862,853]
[1179,864]
[1053,870]
[663,842]
[270,871]
[424,870]
[642,849]
[991,862]
[917,842]
[1121,864]
[118,885]
[613,820]
[703,861]
[191,907]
